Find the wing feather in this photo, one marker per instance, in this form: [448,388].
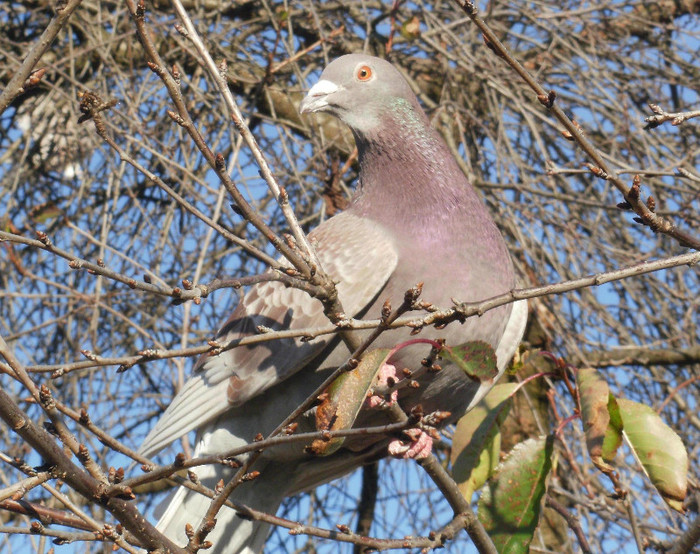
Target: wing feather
[356,252]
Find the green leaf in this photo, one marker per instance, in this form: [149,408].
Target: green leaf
[476,443]
[601,418]
[44,212]
[345,398]
[659,450]
[476,358]
[613,435]
[410,30]
[511,502]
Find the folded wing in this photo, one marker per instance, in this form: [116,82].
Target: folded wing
[355,252]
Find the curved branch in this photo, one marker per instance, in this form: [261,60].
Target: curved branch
[600,167]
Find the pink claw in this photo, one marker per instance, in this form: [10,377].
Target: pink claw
[386,377]
[419,446]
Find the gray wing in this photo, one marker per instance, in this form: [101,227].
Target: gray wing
[357,253]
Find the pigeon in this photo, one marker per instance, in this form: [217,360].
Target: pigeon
[414,218]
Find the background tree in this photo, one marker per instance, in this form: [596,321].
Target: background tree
[112,167]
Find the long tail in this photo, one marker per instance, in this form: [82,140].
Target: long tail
[278,479]
[232,534]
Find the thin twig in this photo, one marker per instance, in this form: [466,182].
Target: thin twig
[77,478]
[217,75]
[410,298]
[600,167]
[687,541]
[573,523]
[42,395]
[459,504]
[661,116]
[461,311]
[367,503]
[636,531]
[16,86]
[159,472]
[182,117]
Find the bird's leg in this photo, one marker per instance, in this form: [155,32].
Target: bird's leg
[387,378]
[419,444]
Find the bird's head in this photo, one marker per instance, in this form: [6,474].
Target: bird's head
[359,90]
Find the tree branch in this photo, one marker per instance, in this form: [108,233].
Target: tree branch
[601,167]
[17,85]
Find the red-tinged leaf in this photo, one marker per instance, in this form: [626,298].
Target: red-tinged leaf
[601,418]
[476,358]
[476,443]
[344,400]
[511,502]
[659,450]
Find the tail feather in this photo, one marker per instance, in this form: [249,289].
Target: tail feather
[231,534]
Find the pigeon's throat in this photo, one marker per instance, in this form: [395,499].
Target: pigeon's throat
[412,178]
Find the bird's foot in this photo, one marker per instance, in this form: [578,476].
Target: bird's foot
[418,446]
[418,443]
[386,377]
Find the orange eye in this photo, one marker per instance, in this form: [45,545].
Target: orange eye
[364,73]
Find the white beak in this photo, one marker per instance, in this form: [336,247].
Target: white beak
[317,97]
